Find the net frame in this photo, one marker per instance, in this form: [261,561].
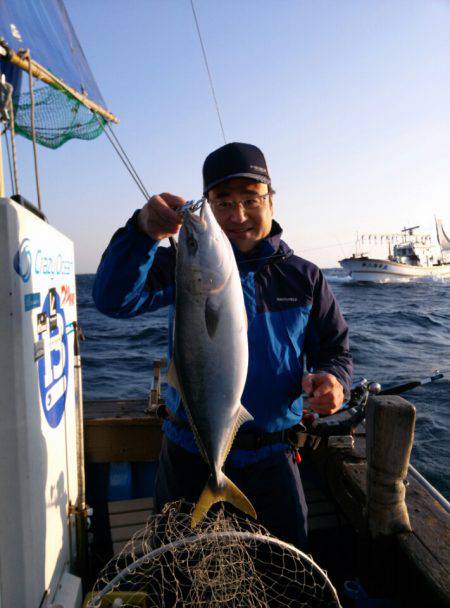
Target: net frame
[220,535]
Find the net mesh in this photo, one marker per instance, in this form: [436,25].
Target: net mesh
[226,561]
[58,117]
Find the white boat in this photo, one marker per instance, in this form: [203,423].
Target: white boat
[411,256]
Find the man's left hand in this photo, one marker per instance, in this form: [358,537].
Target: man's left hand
[325,392]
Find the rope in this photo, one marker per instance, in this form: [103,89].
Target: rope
[13,147]
[33,131]
[216,103]
[8,154]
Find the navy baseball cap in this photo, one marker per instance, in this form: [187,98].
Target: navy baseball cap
[234,160]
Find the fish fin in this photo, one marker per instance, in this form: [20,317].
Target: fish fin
[227,492]
[172,379]
[211,316]
[243,416]
[172,376]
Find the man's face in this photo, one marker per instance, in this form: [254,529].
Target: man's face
[244,226]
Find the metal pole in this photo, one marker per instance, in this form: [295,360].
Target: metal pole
[431,489]
[44,75]
[33,133]
[81,513]
[2,177]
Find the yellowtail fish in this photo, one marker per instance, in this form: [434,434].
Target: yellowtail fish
[210,361]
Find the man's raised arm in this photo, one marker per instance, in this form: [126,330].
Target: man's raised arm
[135,275]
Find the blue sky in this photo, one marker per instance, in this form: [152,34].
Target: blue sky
[349,100]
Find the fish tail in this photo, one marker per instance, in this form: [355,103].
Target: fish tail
[226,492]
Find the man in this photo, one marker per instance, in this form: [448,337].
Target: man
[294,324]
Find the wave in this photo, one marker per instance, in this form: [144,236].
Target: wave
[398,332]
[338,279]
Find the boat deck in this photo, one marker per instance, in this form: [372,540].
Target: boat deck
[118,431]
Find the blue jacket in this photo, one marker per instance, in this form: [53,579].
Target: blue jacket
[294,323]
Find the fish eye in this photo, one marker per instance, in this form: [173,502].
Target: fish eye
[192,244]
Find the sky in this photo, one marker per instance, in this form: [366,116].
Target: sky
[349,100]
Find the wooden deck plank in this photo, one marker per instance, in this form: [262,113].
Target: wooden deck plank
[124,533]
[115,408]
[126,518]
[122,440]
[118,520]
[126,506]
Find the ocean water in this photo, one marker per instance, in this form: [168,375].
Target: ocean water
[398,332]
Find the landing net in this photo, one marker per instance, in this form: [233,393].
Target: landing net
[226,561]
[58,117]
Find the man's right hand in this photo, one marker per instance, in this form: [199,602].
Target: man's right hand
[158,218]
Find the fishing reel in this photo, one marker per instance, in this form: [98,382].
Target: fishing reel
[340,427]
[345,421]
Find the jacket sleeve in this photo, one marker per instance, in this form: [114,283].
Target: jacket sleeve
[134,275]
[326,340]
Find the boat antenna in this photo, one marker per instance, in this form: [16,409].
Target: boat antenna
[208,70]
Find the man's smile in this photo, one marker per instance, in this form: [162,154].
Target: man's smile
[238,230]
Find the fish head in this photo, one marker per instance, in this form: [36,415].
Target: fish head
[204,251]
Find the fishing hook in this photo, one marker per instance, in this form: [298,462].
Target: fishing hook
[191,206]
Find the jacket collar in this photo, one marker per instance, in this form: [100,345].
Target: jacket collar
[264,251]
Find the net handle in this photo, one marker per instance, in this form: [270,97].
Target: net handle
[189,540]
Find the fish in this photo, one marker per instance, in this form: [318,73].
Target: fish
[210,350]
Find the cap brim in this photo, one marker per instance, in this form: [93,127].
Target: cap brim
[254,176]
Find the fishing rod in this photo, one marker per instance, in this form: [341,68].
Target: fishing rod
[345,421]
[408,386]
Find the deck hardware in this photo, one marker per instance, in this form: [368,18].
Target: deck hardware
[390,433]
[154,398]
[342,442]
[374,388]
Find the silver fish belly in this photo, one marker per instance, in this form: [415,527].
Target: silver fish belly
[210,361]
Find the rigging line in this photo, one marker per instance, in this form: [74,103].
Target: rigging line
[33,131]
[13,144]
[128,165]
[131,169]
[8,154]
[327,246]
[116,139]
[216,103]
